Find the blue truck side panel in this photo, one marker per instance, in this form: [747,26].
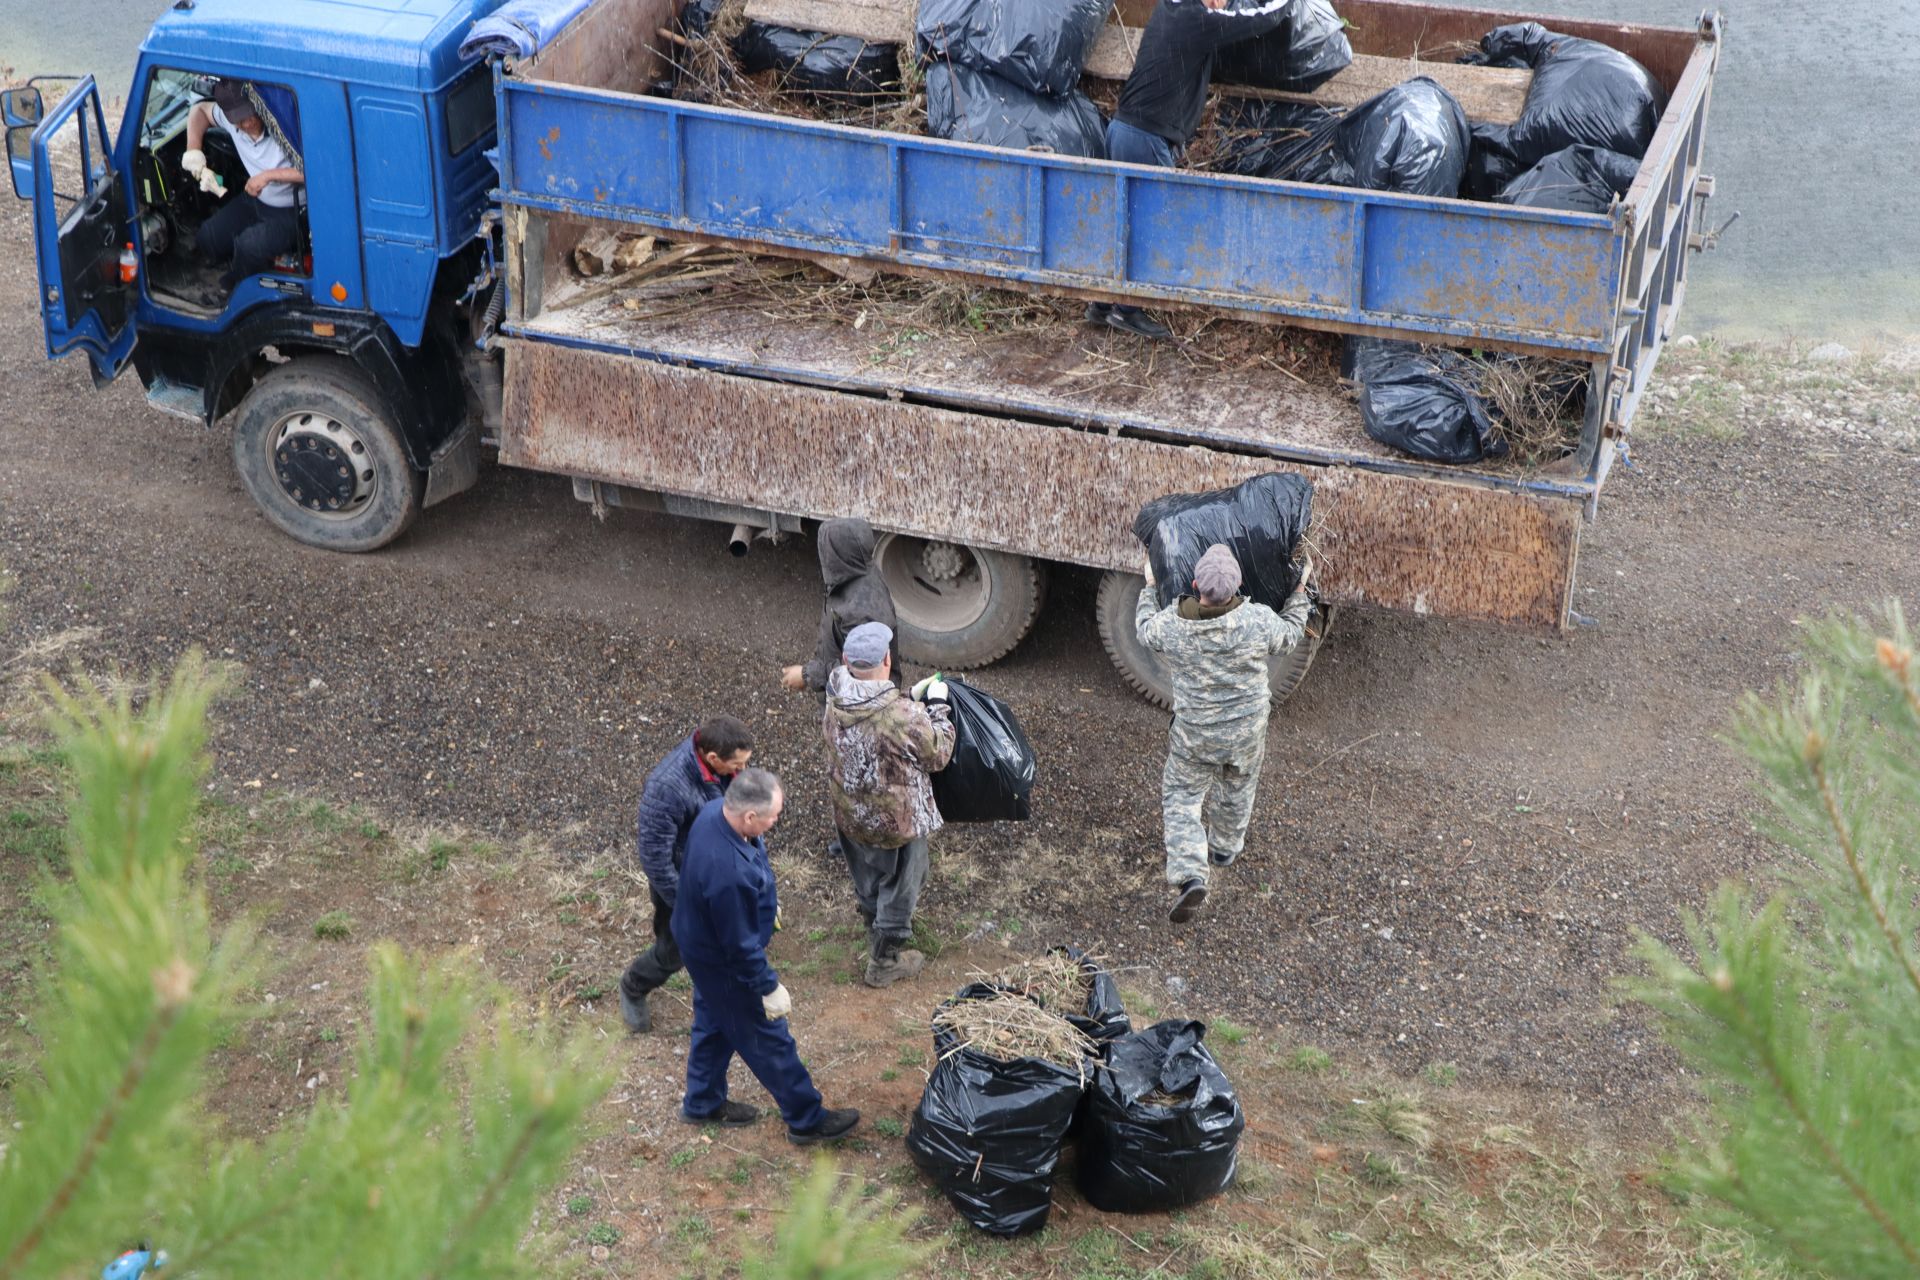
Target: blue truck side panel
[1404,265]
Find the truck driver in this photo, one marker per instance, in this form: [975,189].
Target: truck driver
[252,229]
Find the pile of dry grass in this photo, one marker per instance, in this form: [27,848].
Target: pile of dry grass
[1054,981]
[1537,403]
[1007,1026]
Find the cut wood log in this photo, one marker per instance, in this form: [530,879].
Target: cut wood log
[1493,95]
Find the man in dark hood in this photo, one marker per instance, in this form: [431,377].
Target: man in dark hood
[856,593]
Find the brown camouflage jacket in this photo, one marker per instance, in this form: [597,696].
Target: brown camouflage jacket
[881,745]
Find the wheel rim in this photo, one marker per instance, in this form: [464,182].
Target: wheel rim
[322,465]
[936,586]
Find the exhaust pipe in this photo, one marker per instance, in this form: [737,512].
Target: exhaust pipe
[740,541]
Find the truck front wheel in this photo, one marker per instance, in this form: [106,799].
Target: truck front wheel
[317,453]
[959,606]
[1146,671]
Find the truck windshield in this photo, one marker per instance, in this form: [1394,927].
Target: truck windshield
[168,101]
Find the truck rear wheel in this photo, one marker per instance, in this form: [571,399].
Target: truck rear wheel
[1144,669]
[959,606]
[317,454]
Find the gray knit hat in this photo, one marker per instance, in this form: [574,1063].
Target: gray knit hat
[1216,575]
[867,645]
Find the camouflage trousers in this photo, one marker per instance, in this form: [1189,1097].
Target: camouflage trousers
[1206,798]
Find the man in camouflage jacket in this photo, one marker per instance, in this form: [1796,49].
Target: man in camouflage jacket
[881,745]
[1216,644]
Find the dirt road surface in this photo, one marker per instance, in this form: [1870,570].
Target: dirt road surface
[1459,831]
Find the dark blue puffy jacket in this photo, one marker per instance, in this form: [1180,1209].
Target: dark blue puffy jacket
[677,789]
[727,909]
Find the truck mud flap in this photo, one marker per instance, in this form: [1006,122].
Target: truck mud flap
[1426,546]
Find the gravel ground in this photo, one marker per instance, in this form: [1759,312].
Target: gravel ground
[1460,828]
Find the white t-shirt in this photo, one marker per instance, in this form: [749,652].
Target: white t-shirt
[259,155]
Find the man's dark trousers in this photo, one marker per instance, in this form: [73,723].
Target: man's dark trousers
[729,1019]
[248,234]
[652,967]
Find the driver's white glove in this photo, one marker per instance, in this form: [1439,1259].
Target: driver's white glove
[210,183]
[931,689]
[194,162]
[777,1003]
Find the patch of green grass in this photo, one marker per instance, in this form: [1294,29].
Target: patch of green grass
[35,833]
[742,1172]
[1382,1171]
[329,1036]
[1230,1033]
[889,1075]
[693,1229]
[593,991]
[1308,1060]
[683,1157]
[817,936]
[1143,1009]
[925,940]
[333,926]
[679,982]
[913,1056]
[579,1206]
[440,853]
[604,1233]
[1443,1075]
[322,818]
[889,1127]
[369,830]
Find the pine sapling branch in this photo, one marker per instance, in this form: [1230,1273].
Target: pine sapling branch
[1817,768]
[1898,660]
[1777,1080]
[97,1139]
[496,1186]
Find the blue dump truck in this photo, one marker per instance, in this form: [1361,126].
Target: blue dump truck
[432,313]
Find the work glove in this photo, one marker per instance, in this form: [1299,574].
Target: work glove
[210,183]
[777,1003]
[932,689]
[1146,569]
[193,162]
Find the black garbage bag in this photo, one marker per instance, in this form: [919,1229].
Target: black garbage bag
[1039,45]
[1420,402]
[1104,1016]
[1412,138]
[1582,92]
[1141,1156]
[696,18]
[1579,179]
[972,106]
[1491,164]
[990,777]
[1262,519]
[1299,56]
[989,1133]
[817,63]
[1288,141]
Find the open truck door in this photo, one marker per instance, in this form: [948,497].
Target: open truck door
[61,160]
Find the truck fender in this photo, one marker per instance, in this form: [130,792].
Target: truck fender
[420,385]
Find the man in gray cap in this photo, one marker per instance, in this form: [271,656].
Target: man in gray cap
[881,745]
[1216,644]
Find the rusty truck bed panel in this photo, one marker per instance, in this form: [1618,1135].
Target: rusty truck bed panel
[1424,545]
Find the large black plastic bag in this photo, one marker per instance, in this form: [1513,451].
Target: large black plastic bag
[1582,92]
[965,105]
[1145,1157]
[989,1133]
[1262,519]
[990,777]
[813,62]
[1579,179]
[1299,56]
[1289,141]
[1420,403]
[1412,138]
[1039,45]
[1491,165]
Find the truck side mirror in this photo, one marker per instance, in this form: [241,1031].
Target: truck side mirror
[22,106]
[21,110]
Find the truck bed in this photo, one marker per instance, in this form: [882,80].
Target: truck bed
[1243,387]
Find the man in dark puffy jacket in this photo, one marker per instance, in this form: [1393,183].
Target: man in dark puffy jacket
[856,593]
[696,771]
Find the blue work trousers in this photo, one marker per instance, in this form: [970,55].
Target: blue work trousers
[729,1019]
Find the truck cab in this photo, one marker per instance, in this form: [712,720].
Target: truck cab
[389,269]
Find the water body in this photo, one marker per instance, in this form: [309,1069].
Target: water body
[1810,138]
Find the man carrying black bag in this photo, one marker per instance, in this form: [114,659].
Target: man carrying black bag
[881,747]
[1217,644]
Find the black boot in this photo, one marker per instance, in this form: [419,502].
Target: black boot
[889,962]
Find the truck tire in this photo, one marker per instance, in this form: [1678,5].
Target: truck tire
[959,606]
[1144,669]
[318,455]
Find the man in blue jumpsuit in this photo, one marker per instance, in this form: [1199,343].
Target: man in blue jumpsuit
[723,918]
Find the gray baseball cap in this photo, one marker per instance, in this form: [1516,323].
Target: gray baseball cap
[867,644]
